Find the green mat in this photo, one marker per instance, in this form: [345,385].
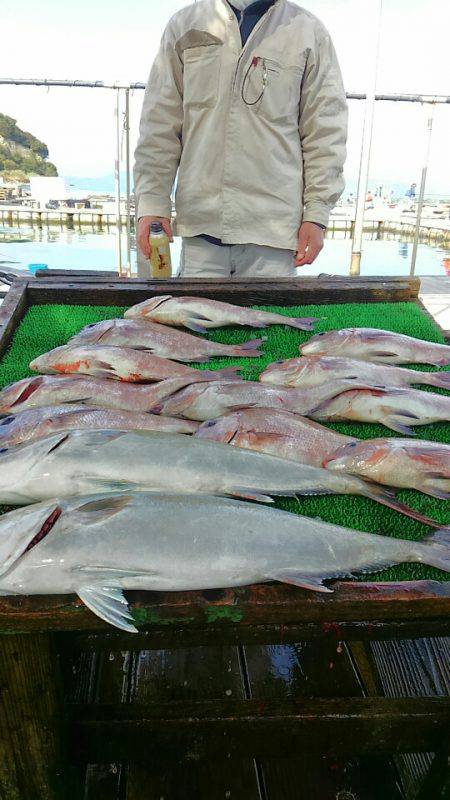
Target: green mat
[45,327]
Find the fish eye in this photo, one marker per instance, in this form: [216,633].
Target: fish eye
[210,423]
[280,361]
[7,420]
[4,450]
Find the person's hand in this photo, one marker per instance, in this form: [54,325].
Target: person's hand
[310,243]
[143,232]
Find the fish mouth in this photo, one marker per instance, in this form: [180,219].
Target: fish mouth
[45,529]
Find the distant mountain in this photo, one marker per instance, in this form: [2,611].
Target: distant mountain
[21,153]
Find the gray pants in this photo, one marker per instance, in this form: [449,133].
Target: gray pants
[201,259]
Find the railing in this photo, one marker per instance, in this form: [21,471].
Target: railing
[429,102]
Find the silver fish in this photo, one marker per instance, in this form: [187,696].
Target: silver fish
[37,422]
[371,344]
[306,372]
[83,462]
[119,363]
[293,437]
[216,398]
[161,340]
[398,409]
[198,314]
[180,543]
[54,390]
[420,465]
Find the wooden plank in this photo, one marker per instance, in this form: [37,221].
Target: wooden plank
[266,604]
[212,780]
[188,674]
[284,291]
[414,668]
[12,311]
[306,670]
[437,782]
[445,333]
[31,738]
[174,636]
[258,729]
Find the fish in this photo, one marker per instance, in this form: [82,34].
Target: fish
[86,461]
[118,363]
[216,398]
[404,463]
[397,409]
[199,314]
[279,433]
[371,344]
[184,543]
[298,439]
[161,340]
[37,422]
[55,390]
[305,372]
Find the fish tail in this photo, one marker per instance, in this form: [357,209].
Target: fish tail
[230,373]
[434,549]
[387,498]
[302,323]
[439,379]
[249,349]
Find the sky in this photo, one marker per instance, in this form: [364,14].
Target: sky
[111,41]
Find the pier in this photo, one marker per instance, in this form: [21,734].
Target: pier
[14,215]
[432,231]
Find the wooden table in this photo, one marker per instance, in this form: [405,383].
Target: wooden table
[39,735]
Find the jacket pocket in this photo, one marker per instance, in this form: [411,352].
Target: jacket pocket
[201,75]
[279,87]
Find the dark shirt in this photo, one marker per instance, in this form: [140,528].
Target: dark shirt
[247,19]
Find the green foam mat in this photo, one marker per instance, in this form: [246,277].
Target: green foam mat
[48,326]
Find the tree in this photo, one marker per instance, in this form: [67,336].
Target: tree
[29,157]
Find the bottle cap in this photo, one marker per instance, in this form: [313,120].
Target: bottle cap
[156,227]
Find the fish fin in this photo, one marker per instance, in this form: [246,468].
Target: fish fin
[108,603]
[102,508]
[248,494]
[383,354]
[251,344]
[439,362]
[95,438]
[195,323]
[434,491]
[395,423]
[302,323]
[105,485]
[439,379]
[312,582]
[435,549]
[102,371]
[388,498]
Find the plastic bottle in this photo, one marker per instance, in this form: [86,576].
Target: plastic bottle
[160,260]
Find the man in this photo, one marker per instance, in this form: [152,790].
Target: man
[246,102]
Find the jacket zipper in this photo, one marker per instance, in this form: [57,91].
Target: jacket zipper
[254,31]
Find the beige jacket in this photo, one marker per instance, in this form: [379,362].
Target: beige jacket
[257,134]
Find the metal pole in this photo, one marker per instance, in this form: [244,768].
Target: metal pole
[117,183]
[429,110]
[355,263]
[128,179]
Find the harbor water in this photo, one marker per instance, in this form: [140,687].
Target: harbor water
[92,248]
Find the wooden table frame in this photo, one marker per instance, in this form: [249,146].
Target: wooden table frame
[31,627]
